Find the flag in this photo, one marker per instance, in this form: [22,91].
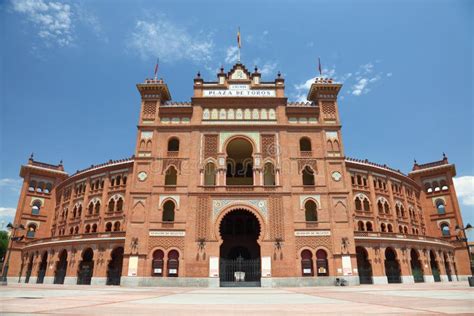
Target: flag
[238,38]
[319,67]
[156,66]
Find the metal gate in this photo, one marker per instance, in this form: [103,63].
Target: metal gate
[365,274]
[113,276]
[417,274]
[392,270]
[84,275]
[436,274]
[59,276]
[239,272]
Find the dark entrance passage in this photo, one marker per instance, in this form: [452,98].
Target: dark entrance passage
[42,268]
[86,267]
[434,267]
[61,268]
[416,268]
[363,265]
[240,252]
[392,267]
[29,269]
[114,268]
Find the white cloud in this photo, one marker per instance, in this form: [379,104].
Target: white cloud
[7,215]
[52,19]
[232,54]
[12,184]
[465,189]
[159,37]
[360,86]
[268,69]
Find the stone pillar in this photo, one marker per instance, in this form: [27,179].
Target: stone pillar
[377,260]
[74,258]
[50,267]
[99,275]
[425,259]
[405,267]
[442,267]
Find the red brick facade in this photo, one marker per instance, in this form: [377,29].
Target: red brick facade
[238,172]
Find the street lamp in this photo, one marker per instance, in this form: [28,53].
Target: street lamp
[458,229]
[12,237]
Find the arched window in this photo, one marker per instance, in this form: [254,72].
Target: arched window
[94,228]
[311,214]
[444,185]
[32,186]
[359,180]
[173,144]
[386,207]
[400,229]
[360,226]
[124,179]
[308,176]
[380,206]
[117,180]
[40,187]
[48,188]
[305,144]
[87,229]
[35,209]
[74,212]
[171,176]
[111,205]
[358,204]
[440,206]
[117,226]
[210,174]
[71,230]
[79,211]
[97,207]
[90,209]
[76,230]
[158,263]
[119,206]
[369,226]
[307,263]
[382,227]
[322,263]
[31,230]
[108,227]
[405,230]
[445,230]
[269,174]
[390,228]
[366,205]
[173,263]
[168,211]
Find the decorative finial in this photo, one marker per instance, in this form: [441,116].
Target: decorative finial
[279,74]
[414,161]
[444,155]
[199,74]
[256,68]
[32,156]
[222,69]
[61,162]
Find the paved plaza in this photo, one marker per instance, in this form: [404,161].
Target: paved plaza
[439,298]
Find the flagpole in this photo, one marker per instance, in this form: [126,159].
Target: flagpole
[238,43]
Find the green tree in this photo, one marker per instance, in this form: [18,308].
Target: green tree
[3,243]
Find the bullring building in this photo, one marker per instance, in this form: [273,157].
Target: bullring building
[238,187]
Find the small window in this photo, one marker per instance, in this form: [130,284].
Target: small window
[305,144]
[116,226]
[369,226]
[108,227]
[173,144]
[308,176]
[210,174]
[311,214]
[97,207]
[94,228]
[31,232]
[168,211]
[269,174]
[119,205]
[358,204]
[360,226]
[366,205]
[445,230]
[440,206]
[35,209]
[171,176]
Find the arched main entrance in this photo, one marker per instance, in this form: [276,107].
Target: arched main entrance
[363,265]
[240,250]
[434,267]
[114,268]
[86,267]
[42,268]
[416,268]
[61,267]
[392,267]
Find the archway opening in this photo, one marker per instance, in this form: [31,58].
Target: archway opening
[392,267]
[434,267]
[114,268]
[416,268]
[364,266]
[240,250]
[61,267]
[86,267]
[239,162]
[42,268]
[29,268]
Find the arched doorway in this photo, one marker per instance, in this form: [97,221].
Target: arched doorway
[416,268]
[239,162]
[447,267]
[86,267]
[322,266]
[29,269]
[42,268]
[114,268]
[363,265]
[434,267]
[61,268]
[240,250]
[392,267]
[158,263]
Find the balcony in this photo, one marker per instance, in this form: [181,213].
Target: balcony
[379,236]
[78,238]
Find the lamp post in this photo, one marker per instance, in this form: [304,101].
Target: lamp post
[458,230]
[12,237]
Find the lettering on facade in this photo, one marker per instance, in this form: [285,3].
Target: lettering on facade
[238,93]
[166,233]
[305,233]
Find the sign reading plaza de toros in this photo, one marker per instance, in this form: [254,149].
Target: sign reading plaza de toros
[238,90]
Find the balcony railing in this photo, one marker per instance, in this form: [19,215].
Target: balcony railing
[77,237]
[400,236]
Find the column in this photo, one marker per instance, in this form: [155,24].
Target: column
[406,273]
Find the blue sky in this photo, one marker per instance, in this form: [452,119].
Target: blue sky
[69,69]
